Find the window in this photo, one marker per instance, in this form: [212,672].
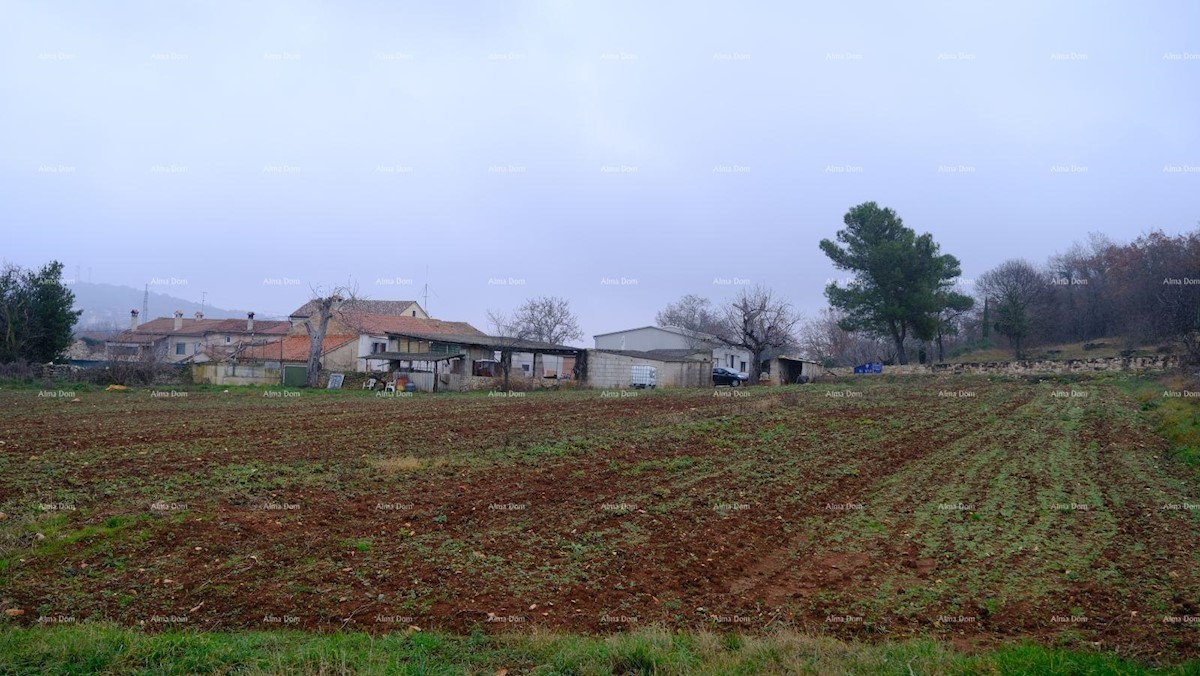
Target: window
[227,339]
[377,347]
[730,361]
[743,366]
[414,313]
[180,347]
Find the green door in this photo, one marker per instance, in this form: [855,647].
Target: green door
[295,376]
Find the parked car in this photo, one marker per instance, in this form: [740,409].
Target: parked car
[727,376]
[643,376]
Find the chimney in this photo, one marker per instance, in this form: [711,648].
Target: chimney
[199,316]
[133,320]
[178,320]
[249,322]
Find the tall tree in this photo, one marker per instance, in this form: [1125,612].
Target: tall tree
[758,321]
[548,319]
[1015,289]
[901,281]
[36,318]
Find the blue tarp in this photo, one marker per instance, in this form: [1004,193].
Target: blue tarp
[875,367]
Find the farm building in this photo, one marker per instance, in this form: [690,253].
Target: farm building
[369,321]
[281,361]
[436,361]
[657,338]
[675,368]
[785,370]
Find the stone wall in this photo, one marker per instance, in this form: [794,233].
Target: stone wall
[1104,365]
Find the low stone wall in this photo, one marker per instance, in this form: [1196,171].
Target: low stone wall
[1104,365]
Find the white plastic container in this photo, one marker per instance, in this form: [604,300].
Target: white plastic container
[643,376]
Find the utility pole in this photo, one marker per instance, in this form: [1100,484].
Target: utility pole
[146,303]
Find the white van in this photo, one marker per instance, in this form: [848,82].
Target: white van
[643,376]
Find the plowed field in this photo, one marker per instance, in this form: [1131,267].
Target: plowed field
[968,509]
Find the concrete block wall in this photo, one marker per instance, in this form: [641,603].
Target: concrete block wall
[614,370]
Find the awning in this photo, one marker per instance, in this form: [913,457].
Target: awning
[413,356]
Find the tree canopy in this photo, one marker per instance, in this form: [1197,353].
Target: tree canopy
[902,283]
[36,318]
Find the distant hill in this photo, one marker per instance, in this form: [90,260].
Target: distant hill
[108,305]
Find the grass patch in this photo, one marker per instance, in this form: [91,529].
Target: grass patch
[105,649]
[1172,404]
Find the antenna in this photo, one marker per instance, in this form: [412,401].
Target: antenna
[146,303]
[425,292]
[203,300]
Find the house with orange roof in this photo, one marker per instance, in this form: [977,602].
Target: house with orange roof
[188,341]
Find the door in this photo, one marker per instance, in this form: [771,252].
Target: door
[295,376]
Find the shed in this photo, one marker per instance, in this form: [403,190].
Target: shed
[786,370]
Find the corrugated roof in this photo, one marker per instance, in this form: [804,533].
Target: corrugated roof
[680,331]
[413,356]
[662,355]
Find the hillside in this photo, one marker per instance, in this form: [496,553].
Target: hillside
[108,306]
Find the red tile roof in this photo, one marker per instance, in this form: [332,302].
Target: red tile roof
[416,326]
[165,326]
[391,308]
[295,348]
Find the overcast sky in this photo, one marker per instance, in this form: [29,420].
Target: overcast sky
[251,150]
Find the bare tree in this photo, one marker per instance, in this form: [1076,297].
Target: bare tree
[322,308]
[1016,287]
[758,322]
[547,319]
[693,314]
[508,333]
[824,340]
[690,312]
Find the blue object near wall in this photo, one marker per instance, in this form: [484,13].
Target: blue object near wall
[874,367]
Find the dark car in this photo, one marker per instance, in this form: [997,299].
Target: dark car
[726,376]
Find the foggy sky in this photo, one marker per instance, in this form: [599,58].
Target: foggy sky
[553,145]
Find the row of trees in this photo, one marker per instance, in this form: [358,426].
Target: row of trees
[36,315]
[1146,291]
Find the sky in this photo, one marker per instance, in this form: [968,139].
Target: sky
[619,154]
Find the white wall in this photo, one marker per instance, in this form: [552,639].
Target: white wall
[654,338]
[364,349]
[643,339]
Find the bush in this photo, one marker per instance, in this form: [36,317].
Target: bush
[21,371]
